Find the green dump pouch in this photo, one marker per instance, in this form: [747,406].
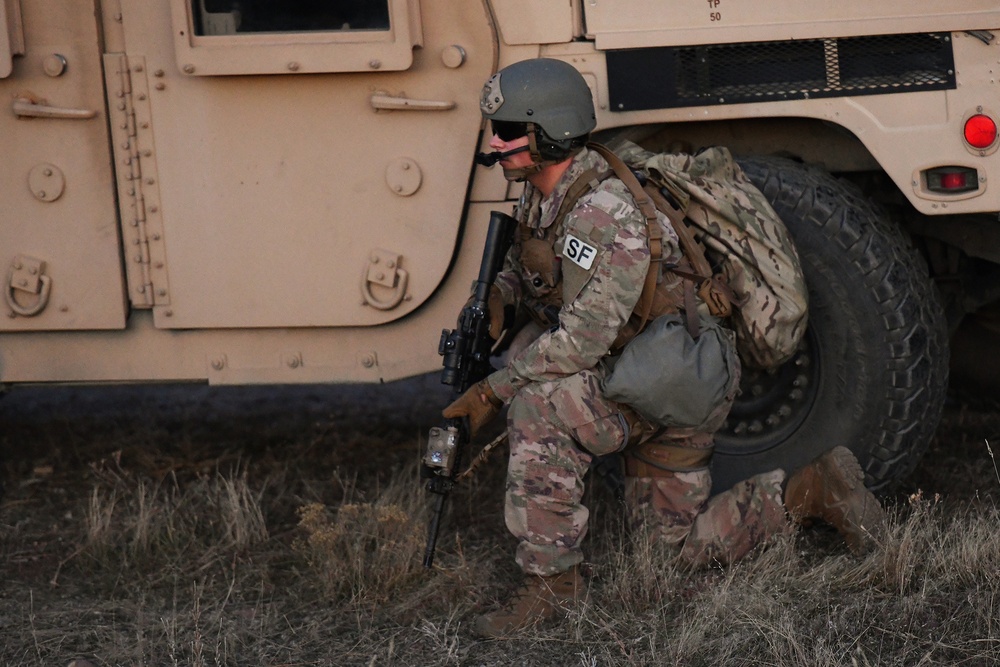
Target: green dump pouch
[675,380]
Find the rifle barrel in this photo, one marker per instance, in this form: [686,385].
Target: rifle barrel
[433,528]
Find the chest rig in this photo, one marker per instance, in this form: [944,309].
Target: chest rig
[541,264]
[668,287]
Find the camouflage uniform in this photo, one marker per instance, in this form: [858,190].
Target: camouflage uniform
[559,419]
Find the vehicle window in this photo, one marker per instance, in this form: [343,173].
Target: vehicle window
[228,17]
[222,37]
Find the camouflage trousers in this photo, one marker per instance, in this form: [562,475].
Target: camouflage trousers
[675,506]
[557,427]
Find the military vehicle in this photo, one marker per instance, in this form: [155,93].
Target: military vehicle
[240,191]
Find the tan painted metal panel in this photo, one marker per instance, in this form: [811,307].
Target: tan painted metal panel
[617,24]
[6,52]
[535,21]
[260,202]
[904,132]
[233,356]
[55,176]
[277,191]
[11,35]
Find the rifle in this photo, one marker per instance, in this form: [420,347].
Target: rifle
[466,360]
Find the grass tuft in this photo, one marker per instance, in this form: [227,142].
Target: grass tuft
[362,551]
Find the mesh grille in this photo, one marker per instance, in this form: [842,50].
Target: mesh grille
[666,77]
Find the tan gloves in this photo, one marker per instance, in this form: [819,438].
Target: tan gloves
[478,403]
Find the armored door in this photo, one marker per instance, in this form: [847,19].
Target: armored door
[59,248]
[309,161]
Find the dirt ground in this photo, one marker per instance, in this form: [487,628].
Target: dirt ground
[57,443]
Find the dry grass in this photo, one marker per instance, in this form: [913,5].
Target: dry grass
[364,552]
[152,526]
[277,556]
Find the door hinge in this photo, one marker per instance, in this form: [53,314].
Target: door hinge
[138,182]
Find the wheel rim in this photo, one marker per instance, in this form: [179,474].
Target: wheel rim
[772,404]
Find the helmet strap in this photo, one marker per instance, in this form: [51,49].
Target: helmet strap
[533,142]
[522,173]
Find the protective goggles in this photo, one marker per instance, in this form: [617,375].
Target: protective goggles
[509,130]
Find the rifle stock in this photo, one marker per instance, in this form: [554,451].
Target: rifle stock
[466,360]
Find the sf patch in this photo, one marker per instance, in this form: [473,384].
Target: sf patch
[581,266]
[579,252]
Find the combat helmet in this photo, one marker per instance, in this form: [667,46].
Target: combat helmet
[550,97]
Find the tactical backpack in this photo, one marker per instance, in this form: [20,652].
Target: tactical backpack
[739,254]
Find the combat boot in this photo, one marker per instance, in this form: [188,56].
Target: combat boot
[538,599]
[832,488]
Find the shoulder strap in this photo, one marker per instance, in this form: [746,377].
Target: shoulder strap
[653,231]
[584,183]
[712,287]
[691,248]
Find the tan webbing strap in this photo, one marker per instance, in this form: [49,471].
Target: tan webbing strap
[691,311]
[584,183]
[532,143]
[714,291]
[692,249]
[660,460]
[648,211]
[711,288]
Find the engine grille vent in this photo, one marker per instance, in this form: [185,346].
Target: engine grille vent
[670,77]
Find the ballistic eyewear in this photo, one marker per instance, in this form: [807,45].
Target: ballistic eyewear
[508,130]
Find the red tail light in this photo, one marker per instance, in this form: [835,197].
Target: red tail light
[980,131]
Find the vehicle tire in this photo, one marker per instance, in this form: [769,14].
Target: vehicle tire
[872,371]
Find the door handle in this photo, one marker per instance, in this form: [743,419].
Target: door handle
[400,103]
[25,108]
